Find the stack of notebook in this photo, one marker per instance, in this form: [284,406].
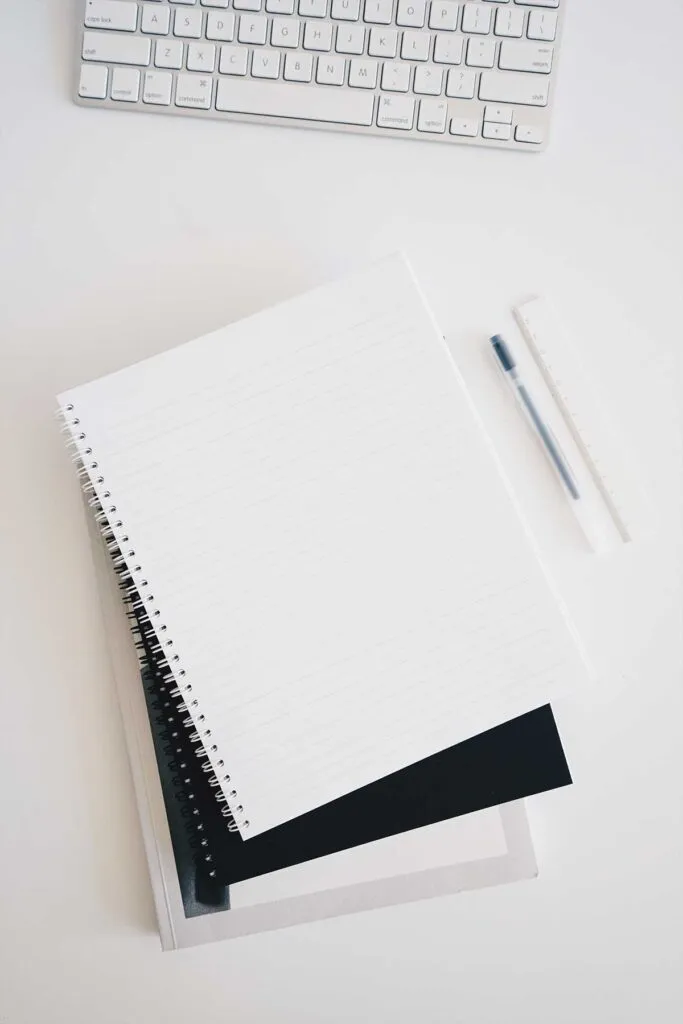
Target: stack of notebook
[344,631]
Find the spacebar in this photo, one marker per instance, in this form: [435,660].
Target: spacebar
[302,101]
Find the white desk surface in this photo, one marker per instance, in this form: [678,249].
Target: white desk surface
[123,234]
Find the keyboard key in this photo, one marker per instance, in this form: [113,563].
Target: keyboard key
[502,115]
[93,82]
[461,84]
[363,74]
[383,42]
[330,71]
[156,20]
[252,29]
[448,49]
[396,77]
[125,85]
[280,6]
[247,5]
[350,39]
[220,26]
[313,8]
[443,15]
[265,64]
[428,81]
[509,22]
[201,57]
[157,88]
[317,36]
[529,133]
[481,53]
[346,10]
[539,3]
[525,57]
[233,60]
[115,49]
[396,112]
[542,25]
[215,3]
[464,126]
[188,24]
[496,131]
[415,46]
[411,13]
[111,14]
[529,90]
[476,18]
[378,12]
[168,54]
[285,32]
[432,116]
[186,2]
[298,67]
[193,91]
[307,102]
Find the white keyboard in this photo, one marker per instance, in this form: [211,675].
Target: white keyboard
[478,73]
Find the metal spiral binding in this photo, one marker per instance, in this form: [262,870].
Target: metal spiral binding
[199,814]
[200,828]
[153,648]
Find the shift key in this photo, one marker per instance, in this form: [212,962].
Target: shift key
[114,49]
[529,90]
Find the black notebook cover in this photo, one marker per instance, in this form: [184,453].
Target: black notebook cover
[512,761]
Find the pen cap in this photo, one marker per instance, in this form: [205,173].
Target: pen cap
[503,352]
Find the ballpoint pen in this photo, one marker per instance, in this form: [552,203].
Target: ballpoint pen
[552,448]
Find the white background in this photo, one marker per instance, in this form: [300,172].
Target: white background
[124,234]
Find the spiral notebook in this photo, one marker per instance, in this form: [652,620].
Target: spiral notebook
[309,514]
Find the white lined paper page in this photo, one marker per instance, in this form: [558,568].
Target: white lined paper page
[328,541]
